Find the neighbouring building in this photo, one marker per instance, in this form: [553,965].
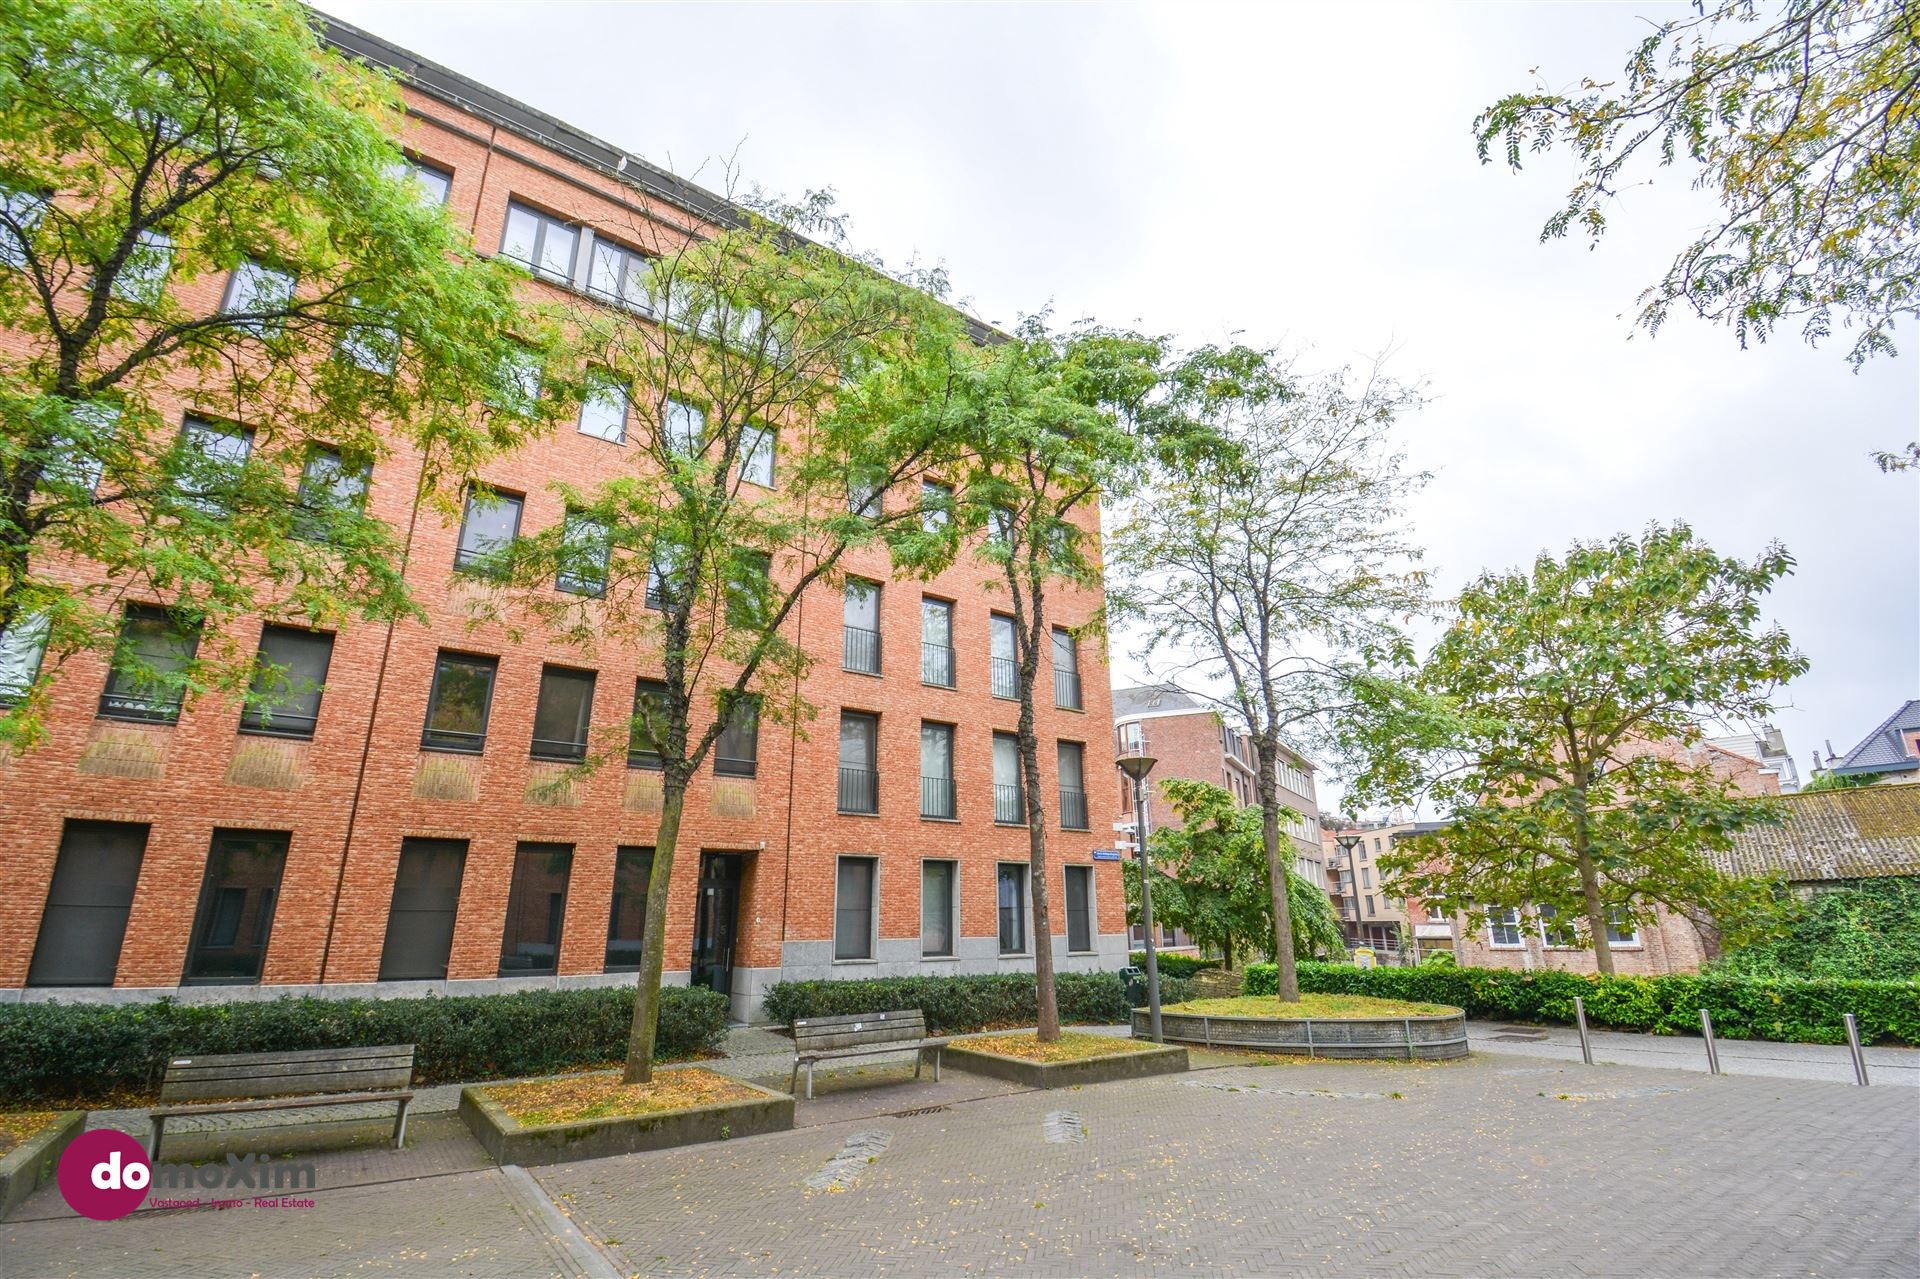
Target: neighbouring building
[371,841]
[1890,753]
[1369,915]
[1766,745]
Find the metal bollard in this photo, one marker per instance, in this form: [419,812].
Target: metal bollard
[1853,1045]
[1580,1018]
[1706,1028]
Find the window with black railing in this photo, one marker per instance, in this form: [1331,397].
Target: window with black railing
[860,619]
[1009,802]
[1072,757]
[859,755]
[938,798]
[1003,662]
[1006,678]
[859,790]
[149,663]
[562,714]
[937,791]
[860,650]
[936,643]
[1066,670]
[458,705]
[1073,808]
[936,664]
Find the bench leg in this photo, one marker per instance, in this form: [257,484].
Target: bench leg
[159,1127]
[793,1078]
[809,1081]
[936,1064]
[400,1128]
[919,1060]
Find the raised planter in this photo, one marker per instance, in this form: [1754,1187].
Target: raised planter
[1409,1038]
[33,1162]
[511,1142]
[1162,1059]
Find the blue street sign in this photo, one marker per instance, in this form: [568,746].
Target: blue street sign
[1106,854]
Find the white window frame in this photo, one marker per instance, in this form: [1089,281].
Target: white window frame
[542,222]
[252,277]
[143,284]
[1631,941]
[757,446]
[632,285]
[1507,917]
[605,392]
[676,418]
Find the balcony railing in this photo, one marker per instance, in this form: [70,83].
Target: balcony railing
[570,750]
[1073,808]
[1009,805]
[1066,690]
[936,664]
[937,798]
[860,650]
[1006,678]
[859,790]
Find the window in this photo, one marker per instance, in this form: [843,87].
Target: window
[1370,910]
[20,213]
[1066,670]
[1009,803]
[1080,929]
[517,381]
[22,646]
[1073,786]
[684,429]
[434,184]
[936,642]
[937,797]
[76,456]
[329,488]
[1005,663]
[749,581]
[1366,877]
[586,552]
[627,921]
[863,497]
[860,621]
[1133,740]
[859,755]
[426,899]
[143,276]
[936,506]
[853,909]
[1503,925]
[756,455]
[536,908]
[619,274]
[85,918]
[290,673]
[662,570]
[373,345]
[936,908]
[237,900]
[1000,527]
[561,716]
[1555,931]
[491,523]
[1012,896]
[737,753]
[1621,930]
[154,651]
[211,457]
[457,706]
[540,242]
[649,730]
[603,413]
[259,294]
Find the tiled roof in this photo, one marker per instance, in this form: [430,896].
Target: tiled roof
[1153,699]
[1885,748]
[1838,834]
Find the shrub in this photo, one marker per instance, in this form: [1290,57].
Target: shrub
[1786,1010]
[955,1005]
[1175,965]
[85,1053]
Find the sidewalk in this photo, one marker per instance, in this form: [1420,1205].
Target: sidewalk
[1829,1062]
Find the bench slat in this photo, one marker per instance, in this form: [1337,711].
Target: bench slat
[304,1072]
[294,1055]
[870,1050]
[859,1029]
[281,1103]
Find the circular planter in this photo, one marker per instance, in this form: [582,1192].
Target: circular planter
[1408,1038]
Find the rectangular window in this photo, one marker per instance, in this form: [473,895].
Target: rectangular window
[757,445]
[586,555]
[1009,802]
[936,506]
[1073,786]
[1555,931]
[603,410]
[372,345]
[627,921]
[491,523]
[1503,924]
[1003,656]
[426,899]
[864,497]
[937,798]
[517,382]
[853,909]
[619,274]
[1080,929]
[85,918]
[684,429]
[737,753]
[147,679]
[434,184]
[1370,910]
[20,214]
[1000,527]
[260,294]
[211,457]
[1012,895]
[1621,930]
[143,276]
[649,730]
[936,908]
[329,488]
[1066,670]
[859,756]
[458,704]
[1366,877]
[237,900]
[860,621]
[749,585]
[561,716]
[936,643]
[540,242]
[22,647]
[290,673]
[77,455]
[662,570]
[536,908]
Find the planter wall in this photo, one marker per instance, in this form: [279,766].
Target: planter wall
[1161,1060]
[33,1162]
[1407,1038]
[511,1142]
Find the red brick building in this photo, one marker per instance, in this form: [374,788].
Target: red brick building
[366,842]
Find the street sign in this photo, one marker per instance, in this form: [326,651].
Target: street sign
[1106,854]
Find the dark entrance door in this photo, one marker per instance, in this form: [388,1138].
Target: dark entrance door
[717,922]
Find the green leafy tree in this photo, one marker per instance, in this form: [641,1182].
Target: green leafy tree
[1839,781]
[204,211]
[1868,930]
[1553,723]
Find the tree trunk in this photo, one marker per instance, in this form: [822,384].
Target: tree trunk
[1048,998]
[1596,915]
[1226,954]
[1289,989]
[646,999]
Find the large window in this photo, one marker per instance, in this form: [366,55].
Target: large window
[540,242]
[290,673]
[1621,930]
[757,445]
[684,429]
[536,907]
[1080,928]
[1006,665]
[853,909]
[1557,932]
[434,184]
[328,488]
[588,554]
[85,918]
[20,214]
[1503,926]
[936,907]
[1073,785]
[619,274]
[1009,802]
[426,898]
[936,506]
[1066,670]
[212,455]
[627,921]
[649,728]
[457,706]
[603,410]
[860,621]
[937,798]
[859,768]
[561,716]
[749,588]
[22,646]
[154,649]
[237,900]
[936,642]
[737,753]
[1012,893]
[143,276]
[260,294]
[491,523]
[864,496]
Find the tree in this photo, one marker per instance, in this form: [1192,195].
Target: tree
[784,391]
[1272,564]
[1804,121]
[1210,876]
[1839,781]
[152,151]
[1556,723]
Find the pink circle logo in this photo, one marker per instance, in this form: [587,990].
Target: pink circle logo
[104,1174]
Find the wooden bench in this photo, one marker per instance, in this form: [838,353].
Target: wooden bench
[244,1083]
[817,1039]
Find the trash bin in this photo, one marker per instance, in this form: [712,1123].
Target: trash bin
[1136,983]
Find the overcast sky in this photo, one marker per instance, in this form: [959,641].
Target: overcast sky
[1303,175]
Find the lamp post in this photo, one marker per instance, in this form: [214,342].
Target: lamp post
[1348,843]
[1137,767]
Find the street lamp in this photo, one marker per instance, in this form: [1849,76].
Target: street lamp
[1137,767]
[1348,843]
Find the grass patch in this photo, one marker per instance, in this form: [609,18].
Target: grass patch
[572,1098]
[1310,1005]
[1073,1045]
[16,1126]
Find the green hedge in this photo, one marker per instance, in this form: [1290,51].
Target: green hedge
[957,1004]
[90,1053]
[1786,1010]
[1175,965]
